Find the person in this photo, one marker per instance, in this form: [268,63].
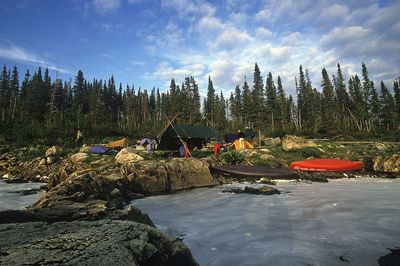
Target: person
[241,134]
[241,137]
[248,133]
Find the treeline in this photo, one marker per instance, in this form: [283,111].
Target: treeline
[41,108]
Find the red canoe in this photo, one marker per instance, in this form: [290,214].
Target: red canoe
[327,165]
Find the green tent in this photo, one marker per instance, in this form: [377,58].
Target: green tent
[194,136]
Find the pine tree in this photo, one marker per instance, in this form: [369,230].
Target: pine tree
[328,103]
[4,93]
[282,114]
[272,104]
[246,104]
[388,112]
[258,110]
[14,88]
[343,99]
[210,103]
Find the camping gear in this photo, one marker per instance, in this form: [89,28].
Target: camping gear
[98,149]
[255,171]
[327,165]
[193,136]
[241,144]
[121,143]
[145,141]
[217,146]
[183,151]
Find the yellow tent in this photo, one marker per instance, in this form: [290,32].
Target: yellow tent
[122,143]
[241,144]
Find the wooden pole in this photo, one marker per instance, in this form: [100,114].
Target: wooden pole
[181,140]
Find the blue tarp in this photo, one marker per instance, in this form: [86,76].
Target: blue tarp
[98,149]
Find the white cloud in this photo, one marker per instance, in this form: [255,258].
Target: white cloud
[106,6]
[19,54]
[263,33]
[231,38]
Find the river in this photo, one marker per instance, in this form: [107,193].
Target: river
[343,222]
[11,199]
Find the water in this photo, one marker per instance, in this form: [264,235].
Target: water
[344,222]
[16,201]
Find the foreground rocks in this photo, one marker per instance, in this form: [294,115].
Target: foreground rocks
[104,242]
[264,190]
[391,164]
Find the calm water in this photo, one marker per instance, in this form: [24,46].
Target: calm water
[16,201]
[314,224]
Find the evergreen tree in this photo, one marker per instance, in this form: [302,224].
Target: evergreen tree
[14,89]
[258,110]
[282,114]
[246,104]
[272,105]
[210,102]
[328,103]
[4,93]
[388,112]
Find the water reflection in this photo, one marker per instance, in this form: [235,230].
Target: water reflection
[315,224]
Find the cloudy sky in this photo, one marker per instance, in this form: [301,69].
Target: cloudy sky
[148,42]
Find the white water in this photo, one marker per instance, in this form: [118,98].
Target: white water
[314,224]
[15,201]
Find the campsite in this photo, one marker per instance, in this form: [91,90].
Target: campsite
[199,132]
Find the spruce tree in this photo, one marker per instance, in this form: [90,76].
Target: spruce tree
[258,106]
[210,102]
[328,103]
[272,104]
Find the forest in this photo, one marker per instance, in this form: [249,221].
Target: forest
[39,108]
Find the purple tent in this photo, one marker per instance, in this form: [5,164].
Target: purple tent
[145,141]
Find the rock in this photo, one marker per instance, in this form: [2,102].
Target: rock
[266,181]
[150,177]
[272,142]
[387,165]
[42,162]
[267,157]
[78,158]
[84,148]
[103,242]
[126,156]
[391,259]
[290,142]
[264,190]
[380,146]
[50,160]
[52,151]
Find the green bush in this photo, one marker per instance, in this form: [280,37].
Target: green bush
[232,157]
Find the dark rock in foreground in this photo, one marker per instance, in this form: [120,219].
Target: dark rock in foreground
[392,259]
[104,242]
[264,190]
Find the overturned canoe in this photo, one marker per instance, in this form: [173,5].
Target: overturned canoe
[327,165]
[254,171]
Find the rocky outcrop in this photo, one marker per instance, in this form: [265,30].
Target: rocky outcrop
[78,158]
[272,142]
[391,164]
[290,143]
[104,242]
[128,155]
[264,190]
[173,175]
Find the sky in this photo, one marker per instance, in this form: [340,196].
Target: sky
[146,43]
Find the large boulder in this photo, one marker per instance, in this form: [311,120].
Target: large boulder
[391,164]
[128,155]
[103,242]
[79,157]
[272,142]
[177,174]
[290,142]
[52,151]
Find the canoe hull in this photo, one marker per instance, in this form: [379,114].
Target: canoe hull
[324,165]
[254,171]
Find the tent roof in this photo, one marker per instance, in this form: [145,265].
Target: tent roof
[186,131]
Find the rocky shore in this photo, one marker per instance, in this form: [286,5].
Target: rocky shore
[81,218]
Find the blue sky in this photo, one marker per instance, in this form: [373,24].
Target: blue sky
[148,42]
